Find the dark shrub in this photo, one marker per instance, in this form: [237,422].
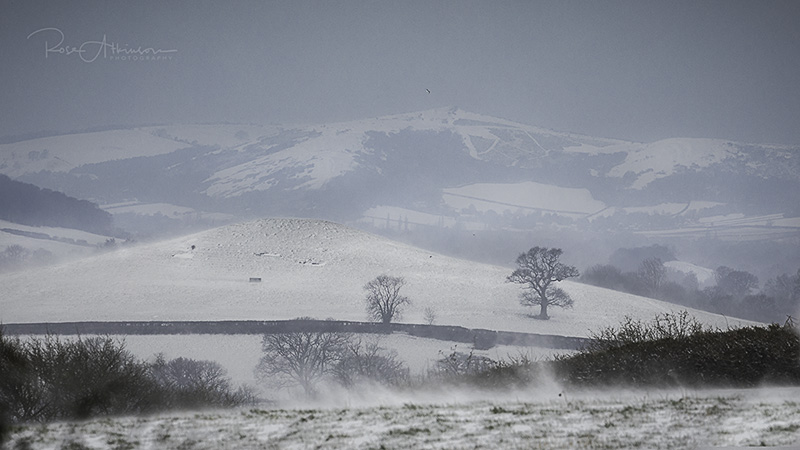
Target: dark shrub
[369,362]
[48,379]
[604,275]
[743,357]
[189,383]
[458,365]
[88,377]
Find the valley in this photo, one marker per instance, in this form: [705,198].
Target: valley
[443,198]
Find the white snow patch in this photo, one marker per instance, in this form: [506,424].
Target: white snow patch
[659,159]
[318,160]
[66,152]
[705,276]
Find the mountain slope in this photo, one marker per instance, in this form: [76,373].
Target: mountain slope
[309,268]
[415,161]
[27,204]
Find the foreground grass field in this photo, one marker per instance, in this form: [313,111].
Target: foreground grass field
[636,419]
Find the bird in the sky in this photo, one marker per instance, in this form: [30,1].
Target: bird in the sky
[429,91]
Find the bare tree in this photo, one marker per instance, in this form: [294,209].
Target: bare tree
[430,315]
[13,255]
[384,301]
[16,252]
[301,358]
[786,290]
[458,363]
[370,362]
[191,383]
[538,269]
[653,274]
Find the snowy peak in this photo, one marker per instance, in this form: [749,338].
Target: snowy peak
[411,161]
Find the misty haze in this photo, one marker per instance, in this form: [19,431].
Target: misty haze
[420,224]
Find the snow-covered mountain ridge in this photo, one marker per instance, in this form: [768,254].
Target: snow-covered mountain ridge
[484,138]
[308,268]
[416,161]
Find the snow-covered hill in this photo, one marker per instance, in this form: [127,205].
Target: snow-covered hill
[327,151]
[66,152]
[443,161]
[308,268]
[44,245]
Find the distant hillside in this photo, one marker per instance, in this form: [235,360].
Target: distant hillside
[27,204]
[453,165]
[308,268]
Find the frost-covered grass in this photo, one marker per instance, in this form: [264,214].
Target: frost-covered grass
[655,419]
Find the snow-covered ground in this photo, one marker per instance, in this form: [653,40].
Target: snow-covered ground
[734,227]
[54,233]
[396,218]
[64,153]
[60,243]
[327,151]
[526,197]
[661,158]
[309,268]
[166,210]
[705,276]
[672,209]
[539,418]
[317,268]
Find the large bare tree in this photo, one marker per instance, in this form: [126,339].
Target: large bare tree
[384,301]
[301,358]
[537,270]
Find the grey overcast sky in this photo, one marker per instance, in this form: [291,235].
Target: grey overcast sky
[636,70]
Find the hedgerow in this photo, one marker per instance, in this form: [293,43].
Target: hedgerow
[743,357]
[671,350]
[45,379]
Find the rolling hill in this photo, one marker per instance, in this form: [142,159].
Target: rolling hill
[308,268]
[444,162]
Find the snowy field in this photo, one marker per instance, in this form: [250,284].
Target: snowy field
[309,268]
[523,197]
[452,420]
[317,268]
[60,242]
[734,227]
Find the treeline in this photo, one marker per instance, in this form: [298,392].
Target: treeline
[27,204]
[734,292]
[47,379]
[675,350]
[672,350]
